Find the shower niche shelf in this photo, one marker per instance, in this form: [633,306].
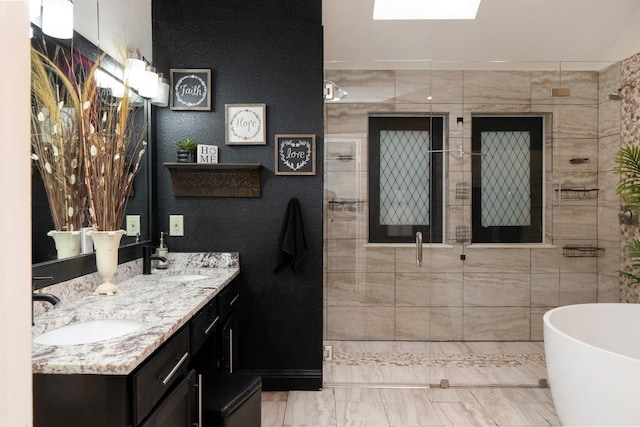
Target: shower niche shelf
[577,193]
[582,251]
[215,179]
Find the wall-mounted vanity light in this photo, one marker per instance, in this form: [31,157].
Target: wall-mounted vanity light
[149,86]
[134,68]
[162,98]
[57,18]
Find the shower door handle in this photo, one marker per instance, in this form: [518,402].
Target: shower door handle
[419,248]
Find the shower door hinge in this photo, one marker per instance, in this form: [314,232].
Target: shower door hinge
[327,353]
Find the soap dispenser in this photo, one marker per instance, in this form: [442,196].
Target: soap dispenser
[162,251]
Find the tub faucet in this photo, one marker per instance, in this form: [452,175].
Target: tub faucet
[147,256]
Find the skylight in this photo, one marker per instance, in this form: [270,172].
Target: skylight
[425,9]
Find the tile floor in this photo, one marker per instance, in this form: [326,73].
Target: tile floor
[373,384]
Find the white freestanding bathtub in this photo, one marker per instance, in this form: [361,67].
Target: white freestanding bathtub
[593,363]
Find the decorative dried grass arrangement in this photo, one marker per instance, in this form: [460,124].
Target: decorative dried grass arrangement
[55,141]
[105,136]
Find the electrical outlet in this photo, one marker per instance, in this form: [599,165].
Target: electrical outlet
[133,225]
[176,225]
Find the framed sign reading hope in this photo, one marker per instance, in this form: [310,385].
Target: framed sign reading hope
[295,155]
[190,89]
[245,124]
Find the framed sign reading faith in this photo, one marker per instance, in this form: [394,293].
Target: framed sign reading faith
[245,124]
[190,89]
[295,154]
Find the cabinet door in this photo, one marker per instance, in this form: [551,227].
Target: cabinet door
[179,408]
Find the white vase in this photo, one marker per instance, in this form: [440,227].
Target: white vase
[106,244]
[67,243]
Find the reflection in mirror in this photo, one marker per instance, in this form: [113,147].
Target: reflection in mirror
[44,254]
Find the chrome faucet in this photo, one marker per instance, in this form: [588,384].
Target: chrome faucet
[147,256]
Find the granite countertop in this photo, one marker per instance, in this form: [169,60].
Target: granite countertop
[164,306]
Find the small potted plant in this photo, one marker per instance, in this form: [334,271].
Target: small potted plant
[186,149]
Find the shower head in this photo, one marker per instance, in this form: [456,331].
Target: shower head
[617,95]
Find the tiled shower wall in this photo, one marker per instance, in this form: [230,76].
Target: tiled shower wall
[630,134]
[376,292]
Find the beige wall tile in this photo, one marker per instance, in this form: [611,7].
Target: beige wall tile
[360,289]
[578,288]
[446,323]
[360,323]
[347,224]
[609,288]
[576,121]
[578,264]
[339,148]
[496,323]
[497,289]
[545,289]
[497,87]
[365,86]
[413,289]
[415,86]
[446,289]
[489,260]
[577,222]
[444,259]
[545,260]
[413,323]
[583,86]
[352,118]
[354,255]
[609,118]
[537,323]
[608,147]
[347,185]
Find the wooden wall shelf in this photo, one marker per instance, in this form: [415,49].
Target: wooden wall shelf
[215,179]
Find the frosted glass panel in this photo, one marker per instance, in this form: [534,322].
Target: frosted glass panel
[505,179]
[404,177]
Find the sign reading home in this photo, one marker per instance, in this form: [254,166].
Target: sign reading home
[295,155]
[190,89]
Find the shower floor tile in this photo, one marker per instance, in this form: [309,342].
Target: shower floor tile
[424,364]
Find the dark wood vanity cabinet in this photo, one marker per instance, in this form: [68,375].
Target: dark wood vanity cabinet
[161,392]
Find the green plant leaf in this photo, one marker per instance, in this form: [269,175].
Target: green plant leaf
[628,168]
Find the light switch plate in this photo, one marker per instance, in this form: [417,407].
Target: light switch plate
[133,225]
[176,225]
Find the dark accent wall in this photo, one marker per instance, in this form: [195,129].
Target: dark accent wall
[260,51]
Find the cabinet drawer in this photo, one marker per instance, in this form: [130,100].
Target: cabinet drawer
[228,299]
[159,372]
[204,325]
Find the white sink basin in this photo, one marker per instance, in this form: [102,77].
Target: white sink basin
[184,278]
[88,332]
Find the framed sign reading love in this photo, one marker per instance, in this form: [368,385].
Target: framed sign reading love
[190,89]
[295,155]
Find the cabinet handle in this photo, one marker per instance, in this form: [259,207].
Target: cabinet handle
[419,248]
[200,385]
[206,331]
[166,380]
[233,301]
[231,351]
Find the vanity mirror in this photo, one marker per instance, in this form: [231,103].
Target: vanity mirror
[44,255]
